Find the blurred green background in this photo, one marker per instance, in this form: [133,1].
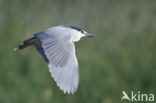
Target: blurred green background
[121,57]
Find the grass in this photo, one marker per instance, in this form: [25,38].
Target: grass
[121,57]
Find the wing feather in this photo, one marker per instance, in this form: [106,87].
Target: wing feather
[63,64]
[66,76]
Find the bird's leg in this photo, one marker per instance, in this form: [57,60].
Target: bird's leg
[28,42]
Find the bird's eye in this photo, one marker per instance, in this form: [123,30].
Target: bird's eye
[82,31]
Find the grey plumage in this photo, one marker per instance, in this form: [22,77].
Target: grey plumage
[56,45]
[57,51]
[41,51]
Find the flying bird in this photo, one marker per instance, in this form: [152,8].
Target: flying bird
[56,46]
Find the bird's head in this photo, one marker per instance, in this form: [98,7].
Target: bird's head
[78,33]
[82,32]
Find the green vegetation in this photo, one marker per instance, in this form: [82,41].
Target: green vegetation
[121,57]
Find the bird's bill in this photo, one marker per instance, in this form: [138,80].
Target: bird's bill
[90,35]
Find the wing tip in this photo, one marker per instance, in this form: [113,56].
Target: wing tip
[67,88]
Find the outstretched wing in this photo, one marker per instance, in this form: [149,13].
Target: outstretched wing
[66,76]
[63,64]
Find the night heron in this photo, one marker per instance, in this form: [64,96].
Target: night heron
[56,45]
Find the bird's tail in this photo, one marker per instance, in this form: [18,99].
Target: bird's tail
[28,42]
